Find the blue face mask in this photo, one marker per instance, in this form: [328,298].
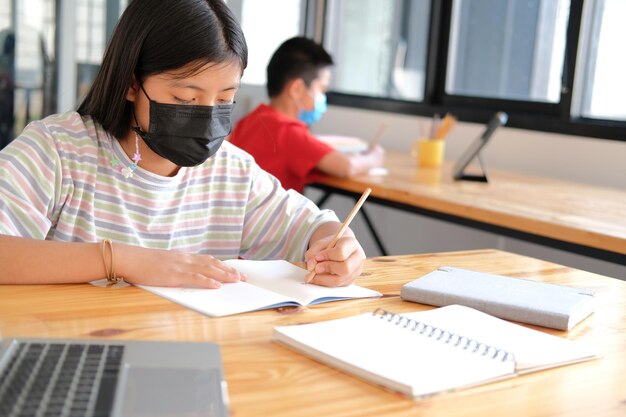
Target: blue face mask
[319,108]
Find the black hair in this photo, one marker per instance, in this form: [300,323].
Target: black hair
[297,57]
[155,36]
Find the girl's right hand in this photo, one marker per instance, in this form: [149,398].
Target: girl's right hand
[171,268]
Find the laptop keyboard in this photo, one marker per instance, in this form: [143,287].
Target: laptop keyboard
[60,379]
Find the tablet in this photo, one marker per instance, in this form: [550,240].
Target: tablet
[473,151]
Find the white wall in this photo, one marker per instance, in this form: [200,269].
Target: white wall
[587,160]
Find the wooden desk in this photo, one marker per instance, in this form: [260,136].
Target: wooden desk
[266,379]
[577,218]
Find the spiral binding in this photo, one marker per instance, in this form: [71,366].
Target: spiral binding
[445,336]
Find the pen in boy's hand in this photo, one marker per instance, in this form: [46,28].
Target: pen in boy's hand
[378,136]
[342,229]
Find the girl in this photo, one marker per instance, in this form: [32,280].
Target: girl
[139,183]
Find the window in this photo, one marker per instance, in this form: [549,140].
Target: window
[510,49]
[27,56]
[36,79]
[379,47]
[266,24]
[90,16]
[90,43]
[552,65]
[602,89]
[5,14]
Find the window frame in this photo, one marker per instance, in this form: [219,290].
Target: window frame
[530,115]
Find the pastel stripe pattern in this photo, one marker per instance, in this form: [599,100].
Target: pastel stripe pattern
[57,183]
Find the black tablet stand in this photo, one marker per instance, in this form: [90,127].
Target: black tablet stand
[473,177]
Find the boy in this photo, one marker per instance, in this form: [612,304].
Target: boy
[277,135]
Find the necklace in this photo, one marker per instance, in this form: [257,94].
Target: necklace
[127,172]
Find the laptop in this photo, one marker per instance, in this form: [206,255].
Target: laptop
[94,378]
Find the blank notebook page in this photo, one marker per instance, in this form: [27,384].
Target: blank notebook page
[392,355]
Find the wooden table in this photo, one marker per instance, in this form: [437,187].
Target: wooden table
[266,379]
[574,217]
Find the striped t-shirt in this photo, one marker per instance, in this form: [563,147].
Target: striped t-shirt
[57,183]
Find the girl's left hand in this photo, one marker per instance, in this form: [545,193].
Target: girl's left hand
[338,266]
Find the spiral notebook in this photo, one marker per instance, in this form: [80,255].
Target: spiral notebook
[429,352]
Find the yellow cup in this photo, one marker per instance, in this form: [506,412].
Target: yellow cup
[429,152]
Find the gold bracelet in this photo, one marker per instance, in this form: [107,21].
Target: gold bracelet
[110,271]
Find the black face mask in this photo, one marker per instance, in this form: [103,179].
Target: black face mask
[186,135]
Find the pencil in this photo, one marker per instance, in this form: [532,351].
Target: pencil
[342,229]
[446,125]
[378,136]
[434,126]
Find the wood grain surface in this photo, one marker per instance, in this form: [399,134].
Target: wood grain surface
[266,379]
[575,213]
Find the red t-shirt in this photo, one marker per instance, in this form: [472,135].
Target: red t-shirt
[280,145]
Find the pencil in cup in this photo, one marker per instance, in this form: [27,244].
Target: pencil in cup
[434,126]
[445,126]
[342,229]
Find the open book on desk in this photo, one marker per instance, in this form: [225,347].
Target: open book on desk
[424,353]
[270,284]
[344,144]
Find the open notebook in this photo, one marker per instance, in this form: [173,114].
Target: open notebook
[424,353]
[344,144]
[270,284]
